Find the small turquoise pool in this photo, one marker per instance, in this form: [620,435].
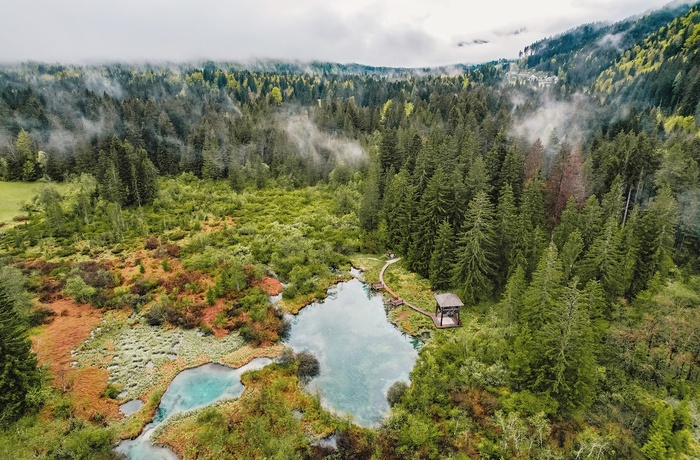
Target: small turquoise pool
[191,389]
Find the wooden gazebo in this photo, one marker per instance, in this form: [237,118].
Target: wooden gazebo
[447,305]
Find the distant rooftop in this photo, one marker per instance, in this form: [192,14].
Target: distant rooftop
[448,300]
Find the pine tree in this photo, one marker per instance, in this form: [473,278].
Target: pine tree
[603,260]
[213,165]
[568,223]
[478,179]
[441,260]
[167,151]
[613,202]
[512,172]
[435,206]
[459,198]
[512,298]
[476,250]
[655,233]
[50,201]
[18,365]
[534,162]
[391,206]
[370,206]
[111,188]
[567,366]
[570,253]
[144,177]
[532,224]
[541,297]
[508,227]
[590,220]
[27,157]
[389,155]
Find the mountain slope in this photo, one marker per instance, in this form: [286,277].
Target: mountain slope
[664,70]
[579,55]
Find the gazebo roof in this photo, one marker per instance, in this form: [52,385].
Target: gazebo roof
[448,300]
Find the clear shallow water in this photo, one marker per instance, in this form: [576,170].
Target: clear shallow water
[191,389]
[131,407]
[360,352]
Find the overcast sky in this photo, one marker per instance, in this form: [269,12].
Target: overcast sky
[411,33]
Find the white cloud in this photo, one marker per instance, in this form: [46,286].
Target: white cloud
[391,32]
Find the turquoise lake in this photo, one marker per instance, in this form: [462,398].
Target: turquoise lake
[360,352]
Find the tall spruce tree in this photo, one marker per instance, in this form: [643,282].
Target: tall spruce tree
[566,367]
[508,228]
[213,164]
[441,260]
[655,231]
[603,260]
[476,250]
[18,365]
[570,254]
[435,206]
[544,291]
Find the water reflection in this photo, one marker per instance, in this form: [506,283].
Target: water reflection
[360,352]
[190,389]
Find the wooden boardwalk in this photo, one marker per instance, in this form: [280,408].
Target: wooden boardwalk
[447,321]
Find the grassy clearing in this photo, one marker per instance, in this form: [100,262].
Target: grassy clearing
[14,194]
[408,285]
[371,265]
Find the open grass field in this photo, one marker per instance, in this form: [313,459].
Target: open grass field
[14,194]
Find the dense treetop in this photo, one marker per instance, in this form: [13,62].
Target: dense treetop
[575,247]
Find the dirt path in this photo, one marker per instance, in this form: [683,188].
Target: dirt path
[435,319]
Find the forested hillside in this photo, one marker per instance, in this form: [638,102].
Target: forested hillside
[578,56]
[575,246]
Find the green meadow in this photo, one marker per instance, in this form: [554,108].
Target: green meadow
[14,194]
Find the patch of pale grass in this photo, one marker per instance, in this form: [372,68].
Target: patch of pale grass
[138,351]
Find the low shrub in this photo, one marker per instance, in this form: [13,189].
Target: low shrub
[308,366]
[396,391]
[78,289]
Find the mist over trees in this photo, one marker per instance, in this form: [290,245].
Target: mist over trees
[576,247]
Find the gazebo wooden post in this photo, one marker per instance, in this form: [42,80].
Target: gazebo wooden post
[448,303]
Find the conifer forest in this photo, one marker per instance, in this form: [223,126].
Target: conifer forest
[558,195]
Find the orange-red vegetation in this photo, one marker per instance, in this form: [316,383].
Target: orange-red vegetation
[209,315]
[480,405]
[71,325]
[271,286]
[53,343]
[88,385]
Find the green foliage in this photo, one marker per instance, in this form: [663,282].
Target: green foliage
[111,391]
[396,391]
[19,375]
[669,435]
[598,312]
[441,260]
[77,288]
[476,250]
[14,284]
